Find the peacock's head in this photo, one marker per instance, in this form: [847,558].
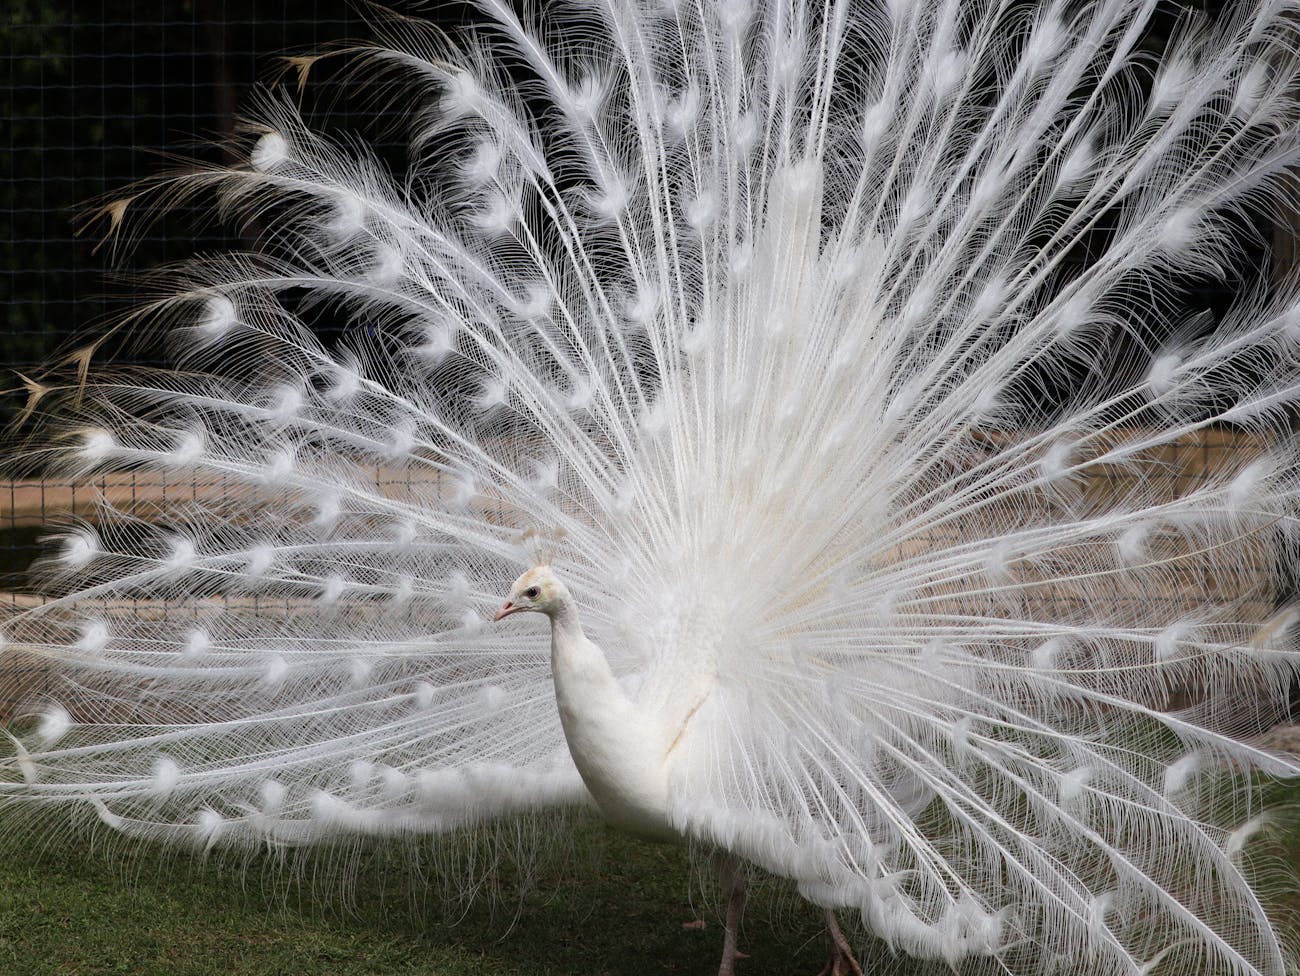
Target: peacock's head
[538,589]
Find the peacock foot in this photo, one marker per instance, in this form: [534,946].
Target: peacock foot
[729,960]
[841,962]
[731,873]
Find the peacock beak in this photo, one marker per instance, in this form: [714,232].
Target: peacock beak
[506,610]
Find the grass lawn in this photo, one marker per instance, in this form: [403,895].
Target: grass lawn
[621,908]
[612,906]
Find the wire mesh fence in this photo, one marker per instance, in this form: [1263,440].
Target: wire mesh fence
[98,94]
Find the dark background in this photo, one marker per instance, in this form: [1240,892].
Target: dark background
[97,94]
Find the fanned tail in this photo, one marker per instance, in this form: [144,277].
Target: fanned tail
[843,346]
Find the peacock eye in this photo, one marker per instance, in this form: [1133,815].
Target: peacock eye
[532,592]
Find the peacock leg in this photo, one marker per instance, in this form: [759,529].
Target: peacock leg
[841,962]
[732,875]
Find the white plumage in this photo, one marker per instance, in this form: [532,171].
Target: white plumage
[850,347]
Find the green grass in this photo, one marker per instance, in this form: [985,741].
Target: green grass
[612,906]
[77,910]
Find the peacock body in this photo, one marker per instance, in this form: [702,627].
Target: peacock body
[845,356]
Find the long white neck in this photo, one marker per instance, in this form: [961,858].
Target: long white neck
[619,752]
